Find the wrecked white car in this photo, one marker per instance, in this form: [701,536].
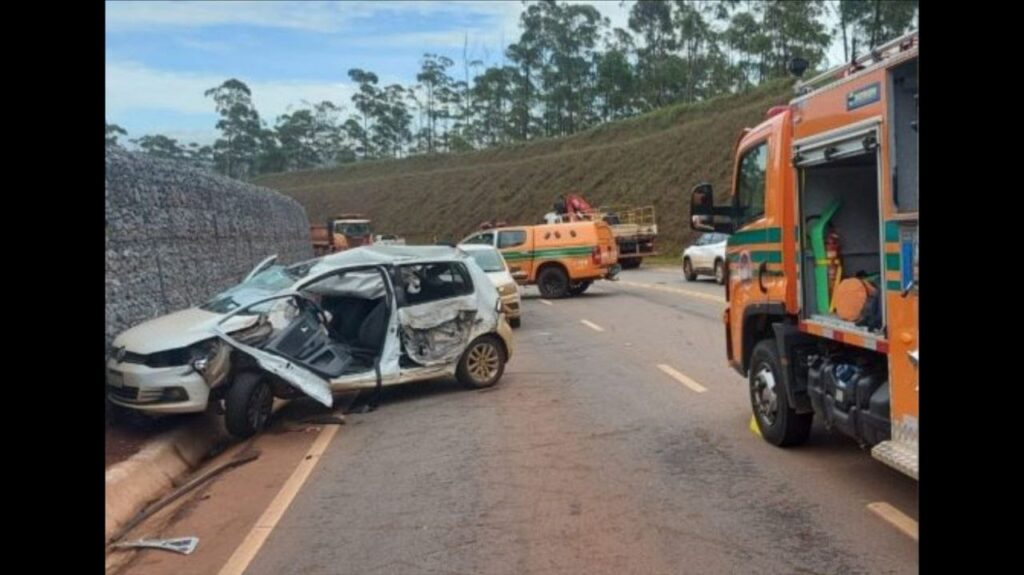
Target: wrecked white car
[175,363]
[363,319]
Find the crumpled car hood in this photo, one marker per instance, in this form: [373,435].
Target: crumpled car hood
[175,330]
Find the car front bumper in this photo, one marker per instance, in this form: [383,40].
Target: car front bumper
[149,389]
[512,305]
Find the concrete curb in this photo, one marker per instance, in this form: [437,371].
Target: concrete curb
[146,476]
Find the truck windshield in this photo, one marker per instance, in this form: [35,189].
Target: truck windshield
[264,284]
[355,230]
[488,260]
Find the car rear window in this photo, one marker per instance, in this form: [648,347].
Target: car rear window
[511,238]
[436,282]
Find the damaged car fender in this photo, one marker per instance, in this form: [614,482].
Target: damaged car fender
[435,333]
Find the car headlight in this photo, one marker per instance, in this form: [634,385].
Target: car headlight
[202,353]
[507,289]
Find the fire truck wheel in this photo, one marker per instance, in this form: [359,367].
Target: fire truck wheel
[779,424]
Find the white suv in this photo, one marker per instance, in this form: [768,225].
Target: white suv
[706,256]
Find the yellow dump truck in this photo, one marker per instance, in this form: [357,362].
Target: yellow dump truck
[341,233]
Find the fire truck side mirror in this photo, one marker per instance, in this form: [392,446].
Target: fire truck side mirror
[702,207]
[703,211]
[702,223]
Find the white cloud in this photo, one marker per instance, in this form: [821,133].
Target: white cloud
[201,136]
[310,16]
[315,16]
[132,87]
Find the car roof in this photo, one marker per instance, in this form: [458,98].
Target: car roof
[385,255]
[476,247]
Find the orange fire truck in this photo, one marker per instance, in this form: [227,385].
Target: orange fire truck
[822,288]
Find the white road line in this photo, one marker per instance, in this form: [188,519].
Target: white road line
[681,378]
[591,325]
[895,517]
[671,289]
[545,302]
[249,547]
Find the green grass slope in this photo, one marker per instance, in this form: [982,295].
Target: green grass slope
[651,159]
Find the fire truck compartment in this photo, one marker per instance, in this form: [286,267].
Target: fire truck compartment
[852,181]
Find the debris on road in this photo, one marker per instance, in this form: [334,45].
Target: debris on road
[325,420]
[182,545]
[177,493]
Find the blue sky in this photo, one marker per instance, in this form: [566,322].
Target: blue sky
[161,56]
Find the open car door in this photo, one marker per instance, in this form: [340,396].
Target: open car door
[297,349]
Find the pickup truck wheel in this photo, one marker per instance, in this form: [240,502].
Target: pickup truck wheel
[719,272]
[688,270]
[578,288]
[552,283]
[482,363]
[779,424]
[248,405]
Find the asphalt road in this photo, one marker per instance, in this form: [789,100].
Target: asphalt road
[618,441]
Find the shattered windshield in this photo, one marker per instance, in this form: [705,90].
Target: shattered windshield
[264,284]
[488,260]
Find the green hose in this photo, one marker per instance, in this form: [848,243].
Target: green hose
[817,234]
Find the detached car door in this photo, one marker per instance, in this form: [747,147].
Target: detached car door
[437,312]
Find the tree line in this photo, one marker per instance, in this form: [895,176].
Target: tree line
[568,71]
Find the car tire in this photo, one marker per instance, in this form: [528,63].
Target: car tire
[580,287]
[515,322]
[688,272]
[719,272]
[248,405]
[779,423]
[552,283]
[482,363]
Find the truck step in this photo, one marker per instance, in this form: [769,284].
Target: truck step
[901,456]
